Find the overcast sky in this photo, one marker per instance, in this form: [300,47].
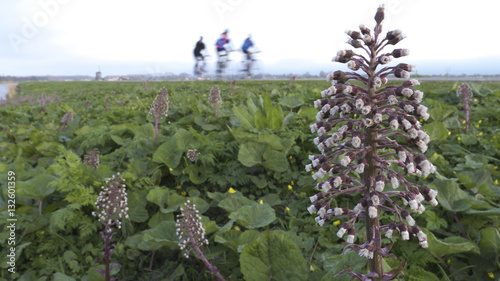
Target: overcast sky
[65,37]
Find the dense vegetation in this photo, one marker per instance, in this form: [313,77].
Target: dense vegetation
[248,182]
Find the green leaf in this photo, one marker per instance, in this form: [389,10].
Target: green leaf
[449,246]
[168,153]
[468,139]
[36,188]
[275,118]
[273,256]
[489,243]
[338,263]
[201,205]
[255,216]
[243,116]
[235,201]
[291,101]
[436,131]
[163,234]
[58,276]
[271,139]
[451,197]
[159,196]
[137,207]
[251,153]
[275,161]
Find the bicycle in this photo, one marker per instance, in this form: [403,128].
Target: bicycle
[249,64]
[222,62]
[200,66]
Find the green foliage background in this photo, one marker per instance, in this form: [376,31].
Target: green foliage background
[258,146]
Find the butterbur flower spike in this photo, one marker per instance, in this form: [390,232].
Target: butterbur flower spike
[359,129]
[214,97]
[111,207]
[159,108]
[192,236]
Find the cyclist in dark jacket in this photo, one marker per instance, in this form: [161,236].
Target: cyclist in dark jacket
[198,56]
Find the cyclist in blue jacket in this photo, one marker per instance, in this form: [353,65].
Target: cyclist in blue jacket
[247,44]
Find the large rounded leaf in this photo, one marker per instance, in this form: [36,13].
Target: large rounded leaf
[273,257]
[254,216]
[37,187]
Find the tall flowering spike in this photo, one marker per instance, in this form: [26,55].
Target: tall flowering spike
[192,236]
[112,206]
[159,108]
[359,129]
[189,229]
[112,202]
[214,97]
[464,93]
[92,159]
[67,117]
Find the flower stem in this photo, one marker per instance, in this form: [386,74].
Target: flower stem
[372,224]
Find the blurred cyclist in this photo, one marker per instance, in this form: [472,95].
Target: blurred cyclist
[200,63]
[221,45]
[247,44]
[246,48]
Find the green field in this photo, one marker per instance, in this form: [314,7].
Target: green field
[248,182]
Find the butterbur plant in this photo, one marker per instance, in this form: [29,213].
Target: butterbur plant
[192,235]
[159,108]
[364,133]
[192,154]
[112,206]
[464,93]
[92,159]
[214,97]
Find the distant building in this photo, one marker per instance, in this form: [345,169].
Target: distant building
[98,76]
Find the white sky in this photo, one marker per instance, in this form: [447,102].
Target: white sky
[123,36]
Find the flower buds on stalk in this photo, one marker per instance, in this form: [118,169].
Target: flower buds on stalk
[358,133]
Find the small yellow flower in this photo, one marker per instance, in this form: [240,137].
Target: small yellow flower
[435,155]
[231,190]
[287,209]
[448,261]
[480,121]
[496,167]
[292,183]
[449,133]
[421,120]
[475,100]
[183,193]
[237,228]
[477,126]
[170,169]
[311,268]
[261,202]
[40,255]
[312,172]
[459,139]
[463,122]
[289,187]
[169,122]
[336,223]
[496,182]
[491,275]
[290,157]
[480,133]
[178,187]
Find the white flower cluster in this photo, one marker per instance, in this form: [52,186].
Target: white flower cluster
[159,107]
[192,154]
[112,202]
[190,229]
[214,96]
